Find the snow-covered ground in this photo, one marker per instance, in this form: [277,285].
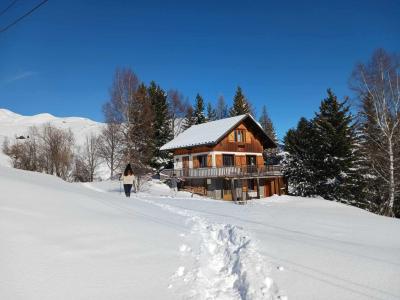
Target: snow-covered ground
[61,240]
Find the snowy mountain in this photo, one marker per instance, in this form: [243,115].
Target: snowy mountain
[64,240]
[13,125]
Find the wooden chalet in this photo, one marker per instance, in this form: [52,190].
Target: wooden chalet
[224,159]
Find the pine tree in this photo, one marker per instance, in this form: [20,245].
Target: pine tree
[211,113]
[335,156]
[321,154]
[222,109]
[298,163]
[271,154]
[161,126]
[198,113]
[240,104]
[369,189]
[140,132]
[267,125]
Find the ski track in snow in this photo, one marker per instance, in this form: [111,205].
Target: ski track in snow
[223,262]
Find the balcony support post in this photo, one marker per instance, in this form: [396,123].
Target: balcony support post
[233,190]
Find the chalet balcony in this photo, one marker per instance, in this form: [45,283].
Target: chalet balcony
[226,172]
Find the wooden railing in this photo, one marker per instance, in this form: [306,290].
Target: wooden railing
[233,171]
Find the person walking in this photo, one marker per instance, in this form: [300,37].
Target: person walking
[128,180]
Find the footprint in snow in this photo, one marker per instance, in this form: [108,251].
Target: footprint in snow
[184,248]
[180,271]
[280,268]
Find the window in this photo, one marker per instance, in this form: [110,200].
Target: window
[251,160]
[228,160]
[202,161]
[239,136]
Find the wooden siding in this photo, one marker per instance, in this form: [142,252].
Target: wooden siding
[260,161]
[240,160]
[193,150]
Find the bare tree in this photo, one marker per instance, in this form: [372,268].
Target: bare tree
[377,84]
[57,150]
[130,106]
[122,92]
[222,109]
[90,155]
[178,108]
[24,153]
[80,172]
[110,146]
[46,149]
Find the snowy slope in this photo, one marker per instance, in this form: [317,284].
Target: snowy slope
[13,125]
[316,249]
[86,241]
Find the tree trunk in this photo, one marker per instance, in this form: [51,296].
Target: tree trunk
[391,179]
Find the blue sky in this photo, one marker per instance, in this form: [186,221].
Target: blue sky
[283,54]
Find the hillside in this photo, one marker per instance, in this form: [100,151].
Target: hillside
[13,125]
[86,241]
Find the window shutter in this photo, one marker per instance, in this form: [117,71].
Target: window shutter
[195,162]
[209,161]
[237,160]
[218,160]
[260,161]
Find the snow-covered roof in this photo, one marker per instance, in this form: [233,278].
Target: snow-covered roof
[206,133]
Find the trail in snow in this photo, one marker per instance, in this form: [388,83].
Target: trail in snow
[221,262]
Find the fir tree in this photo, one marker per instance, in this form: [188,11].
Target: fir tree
[211,113]
[321,154]
[198,113]
[372,147]
[139,131]
[298,163]
[335,159]
[161,126]
[240,104]
[267,125]
[271,154]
